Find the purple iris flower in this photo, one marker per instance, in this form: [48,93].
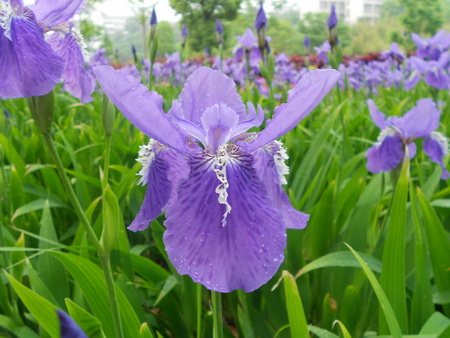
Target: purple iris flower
[261,18]
[153,19]
[435,73]
[332,19]
[306,42]
[322,52]
[432,48]
[400,132]
[30,64]
[220,185]
[219,27]
[68,327]
[184,31]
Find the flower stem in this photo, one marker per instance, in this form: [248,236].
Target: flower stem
[71,193]
[199,310]
[107,159]
[105,260]
[217,314]
[106,266]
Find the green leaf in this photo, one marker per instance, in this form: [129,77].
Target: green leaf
[37,205]
[340,259]
[322,333]
[88,323]
[344,330]
[393,275]
[19,330]
[111,221]
[145,331]
[386,307]
[18,258]
[297,320]
[91,281]
[422,304]
[438,245]
[167,287]
[40,308]
[50,269]
[437,325]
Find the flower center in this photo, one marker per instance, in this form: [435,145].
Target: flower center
[146,156]
[6,14]
[221,160]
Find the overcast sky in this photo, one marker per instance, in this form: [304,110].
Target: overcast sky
[163,10]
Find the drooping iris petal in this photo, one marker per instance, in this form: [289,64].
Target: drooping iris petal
[436,147]
[68,327]
[77,81]
[303,98]
[28,65]
[385,156]
[438,79]
[141,107]
[419,121]
[54,12]
[206,87]
[412,149]
[243,254]
[377,116]
[270,167]
[154,173]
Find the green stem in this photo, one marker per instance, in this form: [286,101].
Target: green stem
[217,314]
[106,266]
[105,262]
[71,193]
[199,310]
[107,159]
[220,55]
[150,76]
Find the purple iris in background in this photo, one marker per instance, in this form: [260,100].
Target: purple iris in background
[306,42]
[332,19]
[220,185]
[397,133]
[68,327]
[31,65]
[219,31]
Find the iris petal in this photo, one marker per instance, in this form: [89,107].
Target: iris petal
[303,98]
[77,81]
[246,252]
[419,121]
[385,156]
[28,65]
[205,88]
[140,107]
[436,147]
[266,159]
[54,12]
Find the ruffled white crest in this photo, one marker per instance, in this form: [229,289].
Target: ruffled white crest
[221,160]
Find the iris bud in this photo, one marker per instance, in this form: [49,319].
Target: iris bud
[42,108]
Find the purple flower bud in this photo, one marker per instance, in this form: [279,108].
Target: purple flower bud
[261,19]
[68,327]
[332,19]
[219,27]
[306,42]
[153,19]
[184,31]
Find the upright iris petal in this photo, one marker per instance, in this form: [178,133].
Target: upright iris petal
[221,186]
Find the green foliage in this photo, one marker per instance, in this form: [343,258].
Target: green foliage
[201,16]
[422,16]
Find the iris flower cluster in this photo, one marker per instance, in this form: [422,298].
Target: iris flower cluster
[39,47]
[219,183]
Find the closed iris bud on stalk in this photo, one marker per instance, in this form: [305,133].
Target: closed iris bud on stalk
[108,116]
[153,23]
[261,26]
[42,107]
[332,27]
[219,31]
[184,34]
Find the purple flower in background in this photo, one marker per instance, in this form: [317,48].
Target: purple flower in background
[332,19]
[68,327]
[306,42]
[184,31]
[431,48]
[397,133]
[220,185]
[219,27]
[261,18]
[30,65]
[153,19]
[322,52]
[248,40]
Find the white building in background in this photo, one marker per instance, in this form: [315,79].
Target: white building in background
[348,10]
